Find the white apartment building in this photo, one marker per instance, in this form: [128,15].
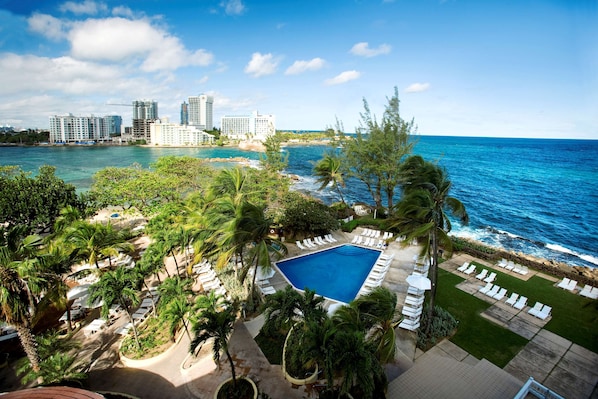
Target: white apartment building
[200,112]
[65,129]
[248,127]
[164,133]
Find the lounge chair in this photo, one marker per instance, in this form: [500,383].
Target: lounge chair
[523,270]
[377,234]
[521,302]
[365,232]
[373,283]
[510,265]
[470,270]
[512,299]
[313,244]
[536,309]
[463,267]
[564,283]
[308,243]
[301,247]
[493,291]
[412,312]
[502,263]
[409,324]
[267,290]
[415,291]
[329,238]
[384,256]
[486,288]
[414,300]
[381,244]
[544,313]
[482,274]
[586,291]
[320,241]
[207,277]
[594,293]
[572,286]
[490,278]
[500,295]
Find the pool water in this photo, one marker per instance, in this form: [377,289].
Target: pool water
[336,273]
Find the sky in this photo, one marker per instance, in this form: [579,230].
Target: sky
[493,68]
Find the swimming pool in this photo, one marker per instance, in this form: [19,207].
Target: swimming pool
[336,273]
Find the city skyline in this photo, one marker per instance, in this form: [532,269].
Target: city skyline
[462,68]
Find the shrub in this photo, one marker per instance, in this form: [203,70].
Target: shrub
[443,325]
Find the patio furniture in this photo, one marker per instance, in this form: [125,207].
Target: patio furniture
[500,295]
[564,283]
[536,309]
[490,278]
[521,302]
[512,299]
[482,275]
[470,270]
[493,291]
[486,288]
[463,267]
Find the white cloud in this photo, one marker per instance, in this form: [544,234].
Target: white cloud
[122,11]
[88,7]
[417,87]
[233,7]
[343,77]
[47,25]
[304,66]
[363,49]
[118,39]
[261,65]
[203,79]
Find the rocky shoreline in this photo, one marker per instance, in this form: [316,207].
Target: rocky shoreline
[583,275]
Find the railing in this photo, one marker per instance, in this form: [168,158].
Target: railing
[538,390]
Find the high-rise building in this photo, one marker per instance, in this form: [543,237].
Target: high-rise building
[145,112]
[83,129]
[145,109]
[201,111]
[248,127]
[184,113]
[171,134]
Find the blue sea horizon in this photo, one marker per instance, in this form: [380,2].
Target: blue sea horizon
[534,196]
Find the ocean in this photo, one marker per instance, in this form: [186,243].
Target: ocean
[535,196]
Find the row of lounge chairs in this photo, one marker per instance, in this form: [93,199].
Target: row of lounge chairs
[208,278]
[145,308]
[317,241]
[377,274]
[369,242]
[485,276]
[512,266]
[567,284]
[493,291]
[589,292]
[540,311]
[376,234]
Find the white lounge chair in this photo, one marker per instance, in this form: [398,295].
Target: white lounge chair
[490,278]
[536,309]
[329,238]
[594,293]
[412,312]
[564,283]
[521,302]
[500,295]
[493,291]
[502,263]
[544,313]
[482,275]
[523,270]
[267,290]
[510,265]
[301,247]
[409,324]
[512,299]
[463,267]
[365,232]
[470,270]
[484,290]
[414,300]
[572,286]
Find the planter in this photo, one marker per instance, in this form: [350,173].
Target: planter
[255,391]
[296,381]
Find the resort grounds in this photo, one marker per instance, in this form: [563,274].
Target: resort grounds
[445,371]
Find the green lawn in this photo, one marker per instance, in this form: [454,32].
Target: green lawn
[573,317]
[475,334]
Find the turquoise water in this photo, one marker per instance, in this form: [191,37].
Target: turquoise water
[533,196]
[337,273]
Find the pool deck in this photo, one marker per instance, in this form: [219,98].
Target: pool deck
[445,371]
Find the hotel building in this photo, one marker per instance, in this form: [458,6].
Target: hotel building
[66,129]
[164,133]
[248,127]
[145,112]
[200,112]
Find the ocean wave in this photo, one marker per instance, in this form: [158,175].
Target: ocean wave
[560,248]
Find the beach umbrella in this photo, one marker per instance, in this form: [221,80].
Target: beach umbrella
[419,282]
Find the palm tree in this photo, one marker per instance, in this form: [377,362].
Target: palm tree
[118,286]
[18,303]
[254,228]
[95,240]
[329,171]
[173,288]
[280,310]
[216,324]
[421,212]
[56,369]
[174,314]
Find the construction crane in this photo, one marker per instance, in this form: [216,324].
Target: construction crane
[123,105]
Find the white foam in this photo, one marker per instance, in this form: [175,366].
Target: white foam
[560,248]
